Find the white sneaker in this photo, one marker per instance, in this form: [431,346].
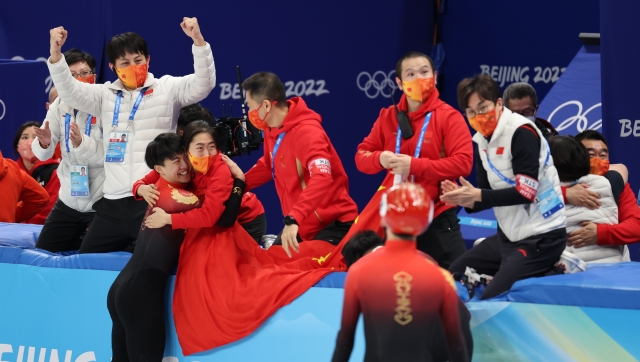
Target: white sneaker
[571,263]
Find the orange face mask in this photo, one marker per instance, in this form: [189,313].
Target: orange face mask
[89,80]
[201,164]
[255,119]
[419,89]
[485,123]
[599,166]
[133,76]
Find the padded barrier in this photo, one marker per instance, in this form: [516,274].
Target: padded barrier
[19,234]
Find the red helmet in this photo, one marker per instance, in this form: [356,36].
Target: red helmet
[406,209]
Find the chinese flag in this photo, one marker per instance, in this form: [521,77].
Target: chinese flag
[226,286]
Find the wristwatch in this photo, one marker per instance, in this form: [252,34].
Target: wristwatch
[289,220]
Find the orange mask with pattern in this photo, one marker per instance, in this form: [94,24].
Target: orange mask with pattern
[419,89]
[599,166]
[255,119]
[485,123]
[201,164]
[133,76]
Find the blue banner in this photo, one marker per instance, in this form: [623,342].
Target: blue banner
[574,103]
[22,98]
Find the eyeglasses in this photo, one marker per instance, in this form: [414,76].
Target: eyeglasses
[527,112]
[83,74]
[471,114]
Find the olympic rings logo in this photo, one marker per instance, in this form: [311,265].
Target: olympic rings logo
[377,84]
[580,118]
[4,109]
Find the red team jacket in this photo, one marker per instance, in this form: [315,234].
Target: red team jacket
[52,186]
[250,208]
[406,301]
[447,149]
[21,197]
[309,177]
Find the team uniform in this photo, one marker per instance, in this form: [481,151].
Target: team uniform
[309,177]
[441,148]
[136,298]
[531,216]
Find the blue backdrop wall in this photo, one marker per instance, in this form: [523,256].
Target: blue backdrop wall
[326,51]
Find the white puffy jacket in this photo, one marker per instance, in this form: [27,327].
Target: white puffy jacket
[606,214]
[56,118]
[518,221]
[157,113]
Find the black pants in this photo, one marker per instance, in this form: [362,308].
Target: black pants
[115,226]
[256,227]
[509,261]
[332,233]
[64,228]
[443,240]
[136,298]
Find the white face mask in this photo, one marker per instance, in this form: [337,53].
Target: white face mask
[531,118]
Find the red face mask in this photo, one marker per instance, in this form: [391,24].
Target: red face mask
[599,166]
[419,89]
[133,76]
[485,123]
[89,80]
[255,119]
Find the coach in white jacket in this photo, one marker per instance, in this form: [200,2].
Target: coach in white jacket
[133,110]
[72,213]
[516,176]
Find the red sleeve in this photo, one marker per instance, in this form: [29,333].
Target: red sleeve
[564,193]
[449,313]
[315,156]
[259,174]
[33,198]
[458,148]
[218,190]
[350,315]
[149,179]
[53,189]
[368,154]
[627,231]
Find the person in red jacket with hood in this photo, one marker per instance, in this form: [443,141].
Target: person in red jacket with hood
[298,155]
[440,149]
[21,197]
[44,172]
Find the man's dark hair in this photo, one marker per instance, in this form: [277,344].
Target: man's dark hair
[518,91]
[124,43]
[570,157]
[591,135]
[21,129]
[196,127]
[194,112]
[74,55]
[483,84]
[411,55]
[360,244]
[166,146]
[265,85]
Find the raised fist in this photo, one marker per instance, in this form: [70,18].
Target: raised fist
[192,29]
[58,37]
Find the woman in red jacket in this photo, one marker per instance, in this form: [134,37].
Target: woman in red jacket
[44,172]
[201,142]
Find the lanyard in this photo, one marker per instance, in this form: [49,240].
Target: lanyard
[420,139]
[116,108]
[67,128]
[273,154]
[505,178]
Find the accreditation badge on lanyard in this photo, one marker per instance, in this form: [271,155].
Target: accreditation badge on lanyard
[397,179]
[547,199]
[118,140]
[79,180]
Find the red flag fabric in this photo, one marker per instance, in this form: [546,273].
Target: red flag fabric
[226,286]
